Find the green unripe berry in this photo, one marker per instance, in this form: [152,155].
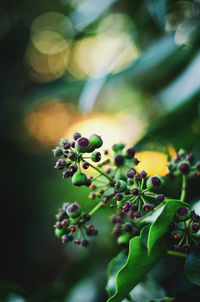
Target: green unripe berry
[59,232]
[82,145]
[118,147]
[95,141]
[79,179]
[124,239]
[57,151]
[154,183]
[96,156]
[121,186]
[74,210]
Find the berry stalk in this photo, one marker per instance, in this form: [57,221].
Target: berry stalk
[183,189]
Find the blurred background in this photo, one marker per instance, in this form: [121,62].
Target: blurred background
[126,70]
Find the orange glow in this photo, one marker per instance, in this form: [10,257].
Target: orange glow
[49,122]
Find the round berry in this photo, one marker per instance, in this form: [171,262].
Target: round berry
[73,168]
[119,160]
[95,141]
[130,153]
[134,208]
[86,217]
[135,191]
[82,144]
[130,173]
[85,165]
[137,177]
[59,232]
[66,174]
[148,207]
[76,135]
[182,214]
[85,242]
[58,225]
[65,223]
[73,228]
[154,183]
[65,238]
[72,144]
[118,147]
[195,228]
[187,247]
[160,197]
[143,174]
[74,210]
[118,196]
[198,165]
[60,164]
[127,227]
[79,179]
[57,152]
[77,241]
[124,239]
[184,167]
[72,155]
[195,217]
[190,157]
[96,156]
[121,186]
[64,143]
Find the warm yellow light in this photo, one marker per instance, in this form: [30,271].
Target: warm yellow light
[152,162]
[98,55]
[49,121]
[113,129]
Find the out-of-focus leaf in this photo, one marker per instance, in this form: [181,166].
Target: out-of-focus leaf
[114,266]
[161,224]
[192,268]
[138,264]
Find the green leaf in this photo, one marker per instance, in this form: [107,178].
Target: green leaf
[114,266]
[192,268]
[138,264]
[144,234]
[161,224]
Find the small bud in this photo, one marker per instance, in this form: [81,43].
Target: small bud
[160,197]
[64,143]
[135,191]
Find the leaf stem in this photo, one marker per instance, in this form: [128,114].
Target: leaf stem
[183,189]
[102,173]
[173,253]
[95,208]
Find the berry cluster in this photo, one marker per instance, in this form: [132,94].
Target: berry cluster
[182,235]
[183,164]
[130,193]
[72,225]
[72,154]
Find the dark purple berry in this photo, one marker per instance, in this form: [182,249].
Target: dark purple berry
[64,143]
[105,152]
[130,173]
[65,238]
[85,165]
[59,225]
[135,161]
[76,135]
[72,155]
[94,232]
[187,247]
[96,156]
[143,174]
[137,214]
[73,168]
[135,191]
[88,182]
[86,217]
[119,160]
[128,227]
[118,196]
[74,210]
[130,153]
[65,223]
[137,177]
[160,197]
[195,217]
[72,144]
[182,214]
[66,174]
[134,208]
[82,144]
[128,203]
[195,228]
[61,215]
[125,208]
[184,167]
[60,164]
[85,242]
[148,207]
[190,157]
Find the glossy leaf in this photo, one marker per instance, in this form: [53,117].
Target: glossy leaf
[161,224]
[114,266]
[192,268]
[138,264]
